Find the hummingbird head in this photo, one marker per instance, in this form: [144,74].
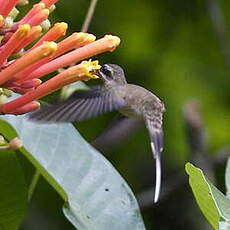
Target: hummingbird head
[112,75]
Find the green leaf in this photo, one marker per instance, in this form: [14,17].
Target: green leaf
[201,191]
[227,178]
[13,188]
[97,197]
[13,191]
[221,201]
[214,204]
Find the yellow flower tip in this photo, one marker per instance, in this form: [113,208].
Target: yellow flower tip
[45,12]
[89,67]
[115,41]
[1,20]
[90,37]
[40,5]
[61,27]
[38,29]
[49,48]
[23,30]
[80,35]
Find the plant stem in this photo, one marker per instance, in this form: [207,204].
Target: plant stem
[88,18]
[33,184]
[89,15]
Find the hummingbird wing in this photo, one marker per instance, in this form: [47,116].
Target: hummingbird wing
[80,106]
[156,138]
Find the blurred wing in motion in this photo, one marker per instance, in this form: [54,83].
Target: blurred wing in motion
[156,138]
[80,106]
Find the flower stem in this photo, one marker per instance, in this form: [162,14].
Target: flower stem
[33,184]
[89,16]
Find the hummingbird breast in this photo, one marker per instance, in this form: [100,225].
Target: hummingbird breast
[139,102]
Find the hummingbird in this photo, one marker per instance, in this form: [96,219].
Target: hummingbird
[115,93]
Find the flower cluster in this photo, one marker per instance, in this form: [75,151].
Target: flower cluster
[21,68]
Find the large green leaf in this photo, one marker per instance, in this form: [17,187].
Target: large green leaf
[13,188]
[214,204]
[97,198]
[13,191]
[223,225]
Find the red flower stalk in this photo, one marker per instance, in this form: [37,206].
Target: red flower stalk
[25,86]
[34,33]
[35,10]
[14,42]
[76,73]
[49,3]
[31,106]
[107,43]
[58,30]
[74,41]
[46,49]
[7,6]
[22,74]
[38,18]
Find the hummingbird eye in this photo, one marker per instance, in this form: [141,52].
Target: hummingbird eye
[107,71]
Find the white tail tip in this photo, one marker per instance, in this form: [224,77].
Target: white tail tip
[158,178]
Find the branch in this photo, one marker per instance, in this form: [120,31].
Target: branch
[220,28]
[196,137]
[89,16]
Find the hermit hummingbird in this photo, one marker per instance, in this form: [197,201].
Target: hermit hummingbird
[115,94]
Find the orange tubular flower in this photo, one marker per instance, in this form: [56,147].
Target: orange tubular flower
[22,73]
[57,31]
[49,3]
[76,73]
[14,42]
[35,10]
[74,41]
[34,33]
[7,6]
[107,43]
[46,49]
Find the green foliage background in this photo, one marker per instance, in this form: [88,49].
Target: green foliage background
[171,48]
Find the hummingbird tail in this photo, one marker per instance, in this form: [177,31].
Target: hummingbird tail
[158,173]
[156,138]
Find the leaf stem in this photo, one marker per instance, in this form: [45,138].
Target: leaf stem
[89,15]
[33,184]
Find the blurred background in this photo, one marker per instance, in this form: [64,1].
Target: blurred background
[180,50]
